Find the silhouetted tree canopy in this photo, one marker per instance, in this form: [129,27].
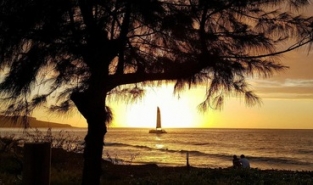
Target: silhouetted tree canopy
[63,53]
[56,44]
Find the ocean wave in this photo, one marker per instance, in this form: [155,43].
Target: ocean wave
[115,144]
[164,149]
[126,145]
[305,151]
[281,160]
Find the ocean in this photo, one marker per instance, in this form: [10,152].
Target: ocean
[207,148]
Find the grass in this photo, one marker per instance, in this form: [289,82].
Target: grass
[66,168]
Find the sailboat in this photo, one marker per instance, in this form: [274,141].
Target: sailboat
[158,129]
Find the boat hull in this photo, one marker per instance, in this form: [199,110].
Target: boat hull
[157,131]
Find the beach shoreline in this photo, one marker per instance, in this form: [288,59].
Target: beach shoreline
[66,168]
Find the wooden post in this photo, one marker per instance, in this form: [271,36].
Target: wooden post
[187,159]
[37,161]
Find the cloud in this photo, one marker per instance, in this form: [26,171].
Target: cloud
[282,95]
[298,83]
[286,89]
[258,83]
[304,83]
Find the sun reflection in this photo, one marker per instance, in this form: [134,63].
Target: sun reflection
[159,146]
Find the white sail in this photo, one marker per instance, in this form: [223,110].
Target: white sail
[158,129]
[158,120]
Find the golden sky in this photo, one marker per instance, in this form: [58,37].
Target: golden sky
[287,102]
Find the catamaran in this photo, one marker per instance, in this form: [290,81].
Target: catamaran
[158,129]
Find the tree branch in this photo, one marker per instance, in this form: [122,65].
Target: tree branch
[293,47]
[180,71]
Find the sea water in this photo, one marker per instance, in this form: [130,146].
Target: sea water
[206,148]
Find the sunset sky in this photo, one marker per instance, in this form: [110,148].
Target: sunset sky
[287,102]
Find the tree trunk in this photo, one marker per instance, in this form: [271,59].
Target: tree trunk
[92,106]
[97,55]
[93,152]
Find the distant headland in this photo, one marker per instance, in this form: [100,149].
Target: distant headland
[7,122]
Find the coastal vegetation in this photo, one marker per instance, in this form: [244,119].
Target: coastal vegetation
[66,170]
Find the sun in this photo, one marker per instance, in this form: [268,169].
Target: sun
[176,112]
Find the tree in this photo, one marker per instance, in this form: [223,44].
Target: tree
[65,53]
